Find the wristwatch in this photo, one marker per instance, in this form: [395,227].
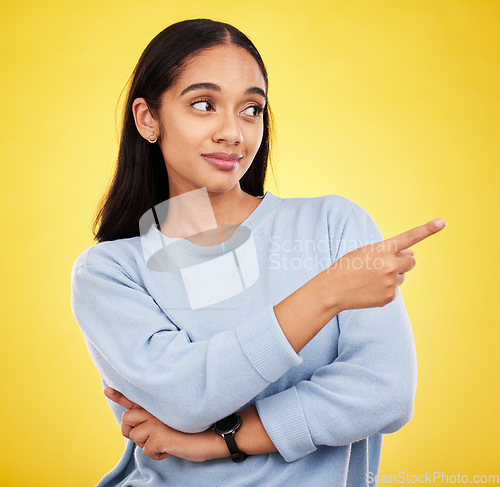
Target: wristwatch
[227,428]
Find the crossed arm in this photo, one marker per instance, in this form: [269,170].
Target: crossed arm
[359,290]
[159,441]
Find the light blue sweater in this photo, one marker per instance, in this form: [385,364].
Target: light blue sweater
[191,364]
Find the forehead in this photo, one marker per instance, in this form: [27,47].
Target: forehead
[231,67]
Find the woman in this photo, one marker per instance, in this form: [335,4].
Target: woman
[233,324]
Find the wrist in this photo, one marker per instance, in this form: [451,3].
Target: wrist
[215,445]
[330,291]
[227,429]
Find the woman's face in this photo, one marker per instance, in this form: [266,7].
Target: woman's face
[213,112]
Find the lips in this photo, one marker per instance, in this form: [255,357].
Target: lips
[223,156]
[222,160]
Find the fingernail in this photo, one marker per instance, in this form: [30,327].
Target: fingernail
[109,390]
[440,223]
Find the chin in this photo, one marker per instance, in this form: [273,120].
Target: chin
[222,187]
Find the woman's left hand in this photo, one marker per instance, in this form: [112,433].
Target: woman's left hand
[158,440]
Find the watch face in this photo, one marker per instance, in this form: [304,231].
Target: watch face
[228,424]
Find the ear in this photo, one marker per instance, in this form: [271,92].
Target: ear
[144,121]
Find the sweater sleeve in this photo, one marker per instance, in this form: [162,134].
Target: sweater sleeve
[369,388]
[139,351]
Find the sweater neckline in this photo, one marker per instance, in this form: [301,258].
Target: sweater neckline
[156,239]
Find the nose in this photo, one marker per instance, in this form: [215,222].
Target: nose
[228,129]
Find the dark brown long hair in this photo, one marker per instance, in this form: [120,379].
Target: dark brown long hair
[140,180]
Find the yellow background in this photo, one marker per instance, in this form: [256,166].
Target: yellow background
[393,104]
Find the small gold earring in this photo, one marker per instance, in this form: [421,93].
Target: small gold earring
[152,138]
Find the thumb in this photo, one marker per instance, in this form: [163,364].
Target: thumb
[119,398]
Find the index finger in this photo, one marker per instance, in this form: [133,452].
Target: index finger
[417,234]
[119,398]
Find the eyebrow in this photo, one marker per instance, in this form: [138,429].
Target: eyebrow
[252,90]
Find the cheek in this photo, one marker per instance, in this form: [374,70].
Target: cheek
[182,136]
[254,137]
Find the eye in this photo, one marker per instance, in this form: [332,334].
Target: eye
[203,105]
[254,110]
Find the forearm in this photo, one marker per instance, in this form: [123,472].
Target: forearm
[369,388]
[302,314]
[251,438]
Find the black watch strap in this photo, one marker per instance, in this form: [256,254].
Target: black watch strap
[227,428]
[236,454]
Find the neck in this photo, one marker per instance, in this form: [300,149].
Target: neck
[199,211]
